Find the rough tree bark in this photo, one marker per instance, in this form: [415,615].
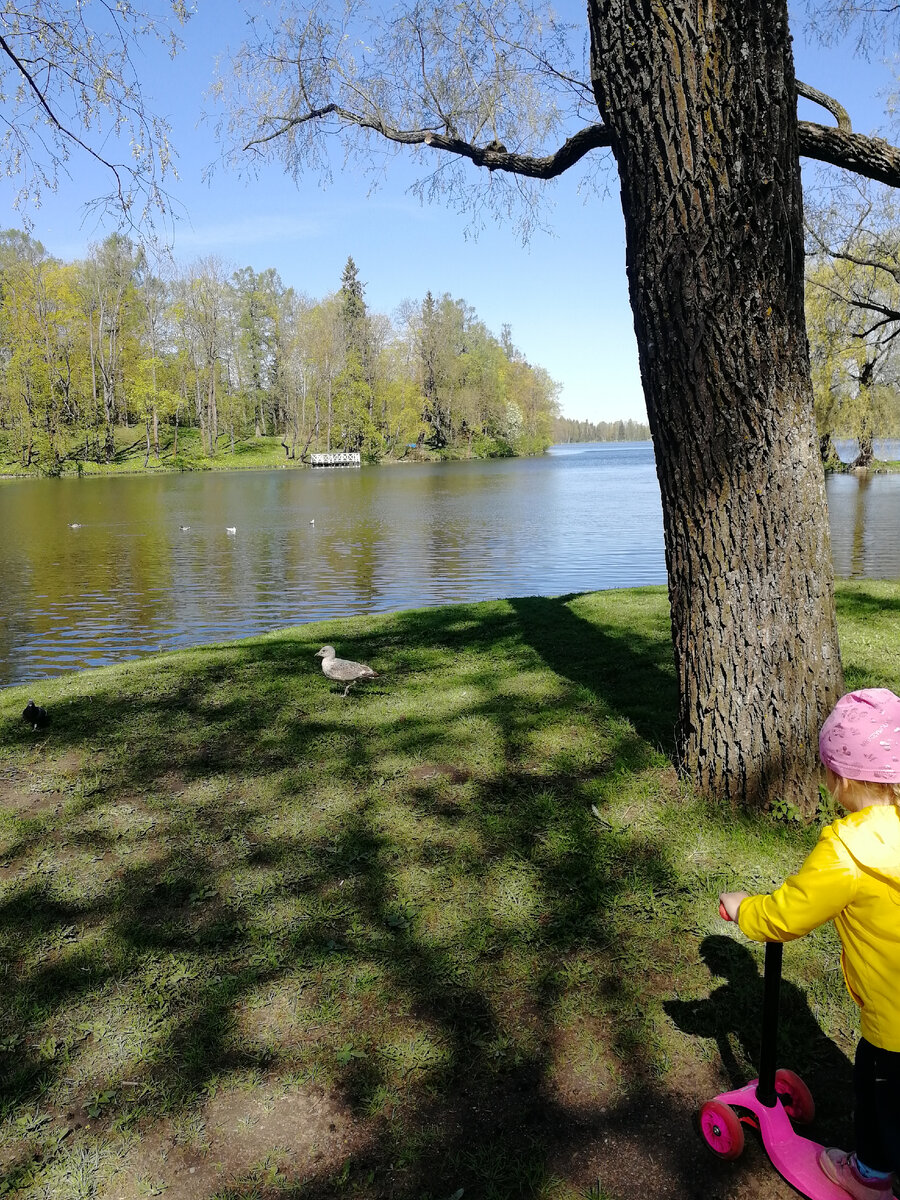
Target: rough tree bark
[700,103]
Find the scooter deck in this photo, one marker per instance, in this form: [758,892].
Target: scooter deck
[793,1156]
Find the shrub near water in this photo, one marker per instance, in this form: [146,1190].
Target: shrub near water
[438,935]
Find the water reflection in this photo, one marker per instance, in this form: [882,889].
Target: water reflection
[864,513]
[130,580]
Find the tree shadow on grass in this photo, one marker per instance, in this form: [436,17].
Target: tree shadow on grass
[489,1119]
[733,1014]
[251,847]
[856,602]
[631,671]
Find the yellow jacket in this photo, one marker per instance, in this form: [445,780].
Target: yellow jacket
[851,877]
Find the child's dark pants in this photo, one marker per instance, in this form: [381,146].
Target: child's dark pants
[876,1081]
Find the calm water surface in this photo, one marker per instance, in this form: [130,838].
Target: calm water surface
[317,544]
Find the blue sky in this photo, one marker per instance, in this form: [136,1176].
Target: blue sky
[564,294]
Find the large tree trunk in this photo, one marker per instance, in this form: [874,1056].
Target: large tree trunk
[701,103]
[866,455]
[865,437]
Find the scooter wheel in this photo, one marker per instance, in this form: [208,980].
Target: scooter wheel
[795,1096]
[722,1130]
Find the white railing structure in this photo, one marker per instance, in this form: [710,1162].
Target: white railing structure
[348,458]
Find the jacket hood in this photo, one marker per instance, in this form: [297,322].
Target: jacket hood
[872,837]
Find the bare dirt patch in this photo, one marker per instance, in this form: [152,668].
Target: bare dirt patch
[578,1077]
[22,793]
[245,1136]
[37,788]
[171,783]
[438,772]
[649,1146]
[67,765]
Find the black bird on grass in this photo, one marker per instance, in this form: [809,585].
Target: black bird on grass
[34,715]
[342,670]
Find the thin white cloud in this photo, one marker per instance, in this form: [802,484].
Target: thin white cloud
[252,230]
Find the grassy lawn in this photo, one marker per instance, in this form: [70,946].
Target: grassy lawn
[452,936]
[130,453]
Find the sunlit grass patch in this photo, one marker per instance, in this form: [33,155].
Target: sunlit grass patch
[455,916]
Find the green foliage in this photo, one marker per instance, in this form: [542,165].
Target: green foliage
[492,447]
[784,811]
[528,445]
[88,349]
[853,317]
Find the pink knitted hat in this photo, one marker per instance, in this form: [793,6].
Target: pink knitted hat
[861,737]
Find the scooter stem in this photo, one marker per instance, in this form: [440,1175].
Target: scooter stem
[765,1088]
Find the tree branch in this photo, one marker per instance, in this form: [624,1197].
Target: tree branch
[889,314]
[890,319]
[870,156]
[837,110]
[858,261]
[592,137]
[51,115]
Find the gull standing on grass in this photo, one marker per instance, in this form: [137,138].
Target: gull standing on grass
[342,670]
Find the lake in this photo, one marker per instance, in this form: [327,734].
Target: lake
[313,544]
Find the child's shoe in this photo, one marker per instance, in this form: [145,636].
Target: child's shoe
[840,1167]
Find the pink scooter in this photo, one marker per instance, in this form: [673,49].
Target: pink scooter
[770,1104]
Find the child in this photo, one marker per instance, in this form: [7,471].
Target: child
[852,877]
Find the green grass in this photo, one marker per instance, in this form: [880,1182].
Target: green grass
[130,452]
[248,454]
[455,931]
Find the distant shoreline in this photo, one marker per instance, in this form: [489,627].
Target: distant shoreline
[255,454]
[267,454]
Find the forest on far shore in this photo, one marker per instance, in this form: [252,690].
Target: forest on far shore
[567,429]
[199,359]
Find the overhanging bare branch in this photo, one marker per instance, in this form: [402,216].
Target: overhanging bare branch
[858,260]
[54,120]
[828,102]
[492,156]
[870,156]
[592,137]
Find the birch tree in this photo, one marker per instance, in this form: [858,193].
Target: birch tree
[109,299]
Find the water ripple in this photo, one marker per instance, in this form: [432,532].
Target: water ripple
[579,519]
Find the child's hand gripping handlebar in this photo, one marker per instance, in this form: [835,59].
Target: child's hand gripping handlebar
[730,903]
